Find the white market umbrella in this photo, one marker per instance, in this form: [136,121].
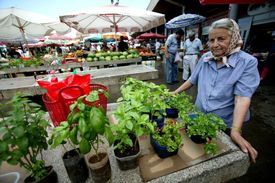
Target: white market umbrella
[113,18]
[59,27]
[15,22]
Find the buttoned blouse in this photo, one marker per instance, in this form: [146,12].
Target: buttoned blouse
[218,85]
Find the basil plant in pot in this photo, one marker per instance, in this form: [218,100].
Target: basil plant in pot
[167,140]
[131,125]
[179,103]
[149,95]
[84,130]
[203,129]
[23,137]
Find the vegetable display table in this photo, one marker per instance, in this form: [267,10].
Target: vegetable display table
[106,76]
[70,65]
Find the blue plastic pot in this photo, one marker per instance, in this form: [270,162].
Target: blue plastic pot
[172,113]
[159,121]
[161,151]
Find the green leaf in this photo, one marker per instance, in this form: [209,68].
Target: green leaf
[16,154]
[84,146]
[151,127]
[3,146]
[129,142]
[73,106]
[59,136]
[23,143]
[70,117]
[93,96]
[109,135]
[97,120]
[19,131]
[139,131]
[76,117]
[73,135]
[12,161]
[129,125]
[80,98]
[81,106]
[82,126]
[106,94]
[7,136]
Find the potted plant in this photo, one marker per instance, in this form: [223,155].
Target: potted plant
[131,125]
[84,128]
[203,128]
[168,140]
[149,95]
[23,138]
[179,103]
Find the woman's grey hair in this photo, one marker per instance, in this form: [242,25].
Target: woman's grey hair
[224,23]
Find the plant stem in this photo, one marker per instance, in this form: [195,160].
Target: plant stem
[26,166]
[97,144]
[28,161]
[64,147]
[71,144]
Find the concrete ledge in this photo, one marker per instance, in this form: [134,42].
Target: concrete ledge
[106,76]
[222,168]
[219,169]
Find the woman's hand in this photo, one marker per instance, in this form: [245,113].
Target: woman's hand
[173,93]
[245,146]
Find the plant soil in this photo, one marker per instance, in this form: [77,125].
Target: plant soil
[102,173]
[94,158]
[51,177]
[130,151]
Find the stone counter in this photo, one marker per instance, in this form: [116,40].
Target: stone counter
[107,77]
[222,168]
[234,163]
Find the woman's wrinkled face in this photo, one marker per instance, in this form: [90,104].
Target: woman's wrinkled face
[219,40]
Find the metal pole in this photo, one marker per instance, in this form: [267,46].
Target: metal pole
[233,11]
[23,35]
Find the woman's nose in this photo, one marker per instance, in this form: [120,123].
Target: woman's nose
[215,43]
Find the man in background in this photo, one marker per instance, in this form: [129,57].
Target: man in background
[122,45]
[192,49]
[171,48]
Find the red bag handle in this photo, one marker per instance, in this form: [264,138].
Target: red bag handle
[69,89]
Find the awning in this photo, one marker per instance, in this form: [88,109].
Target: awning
[204,2]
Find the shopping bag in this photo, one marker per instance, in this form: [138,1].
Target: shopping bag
[54,86]
[177,57]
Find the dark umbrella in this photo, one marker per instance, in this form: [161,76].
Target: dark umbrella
[184,21]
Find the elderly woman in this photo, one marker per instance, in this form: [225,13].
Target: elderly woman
[226,78]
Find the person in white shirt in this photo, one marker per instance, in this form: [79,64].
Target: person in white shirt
[192,49]
[157,46]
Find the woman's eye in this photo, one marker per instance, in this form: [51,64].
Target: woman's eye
[220,39]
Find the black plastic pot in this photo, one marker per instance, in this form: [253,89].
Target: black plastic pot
[198,139]
[51,177]
[129,159]
[76,166]
[172,113]
[161,151]
[100,170]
